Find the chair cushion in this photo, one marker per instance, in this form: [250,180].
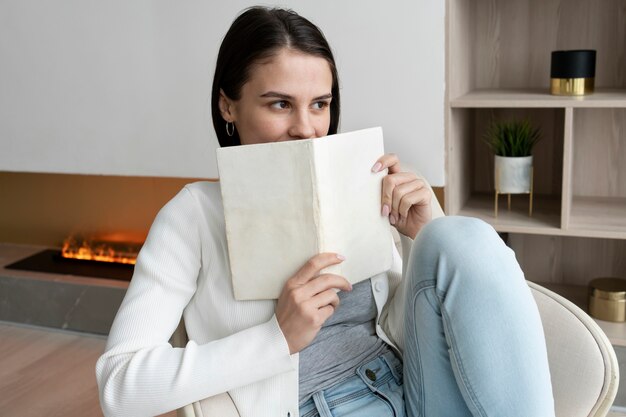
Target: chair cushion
[576,354]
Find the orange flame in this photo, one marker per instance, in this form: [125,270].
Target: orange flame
[87,249]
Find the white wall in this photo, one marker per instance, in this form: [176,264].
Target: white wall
[122,87]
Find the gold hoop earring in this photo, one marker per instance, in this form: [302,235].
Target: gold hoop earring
[230,128]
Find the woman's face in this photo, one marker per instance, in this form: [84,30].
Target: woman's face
[287,97]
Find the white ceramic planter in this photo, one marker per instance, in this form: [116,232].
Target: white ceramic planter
[513,174]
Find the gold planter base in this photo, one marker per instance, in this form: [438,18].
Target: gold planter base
[498,193]
[571,86]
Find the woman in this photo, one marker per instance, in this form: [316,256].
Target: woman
[458,335]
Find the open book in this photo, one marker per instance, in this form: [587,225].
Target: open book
[285,202]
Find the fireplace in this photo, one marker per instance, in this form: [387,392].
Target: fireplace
[111,257]
[87,257]
[38,212]
[56,299]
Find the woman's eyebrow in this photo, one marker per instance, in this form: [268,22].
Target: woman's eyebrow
[324,97]
[274,94]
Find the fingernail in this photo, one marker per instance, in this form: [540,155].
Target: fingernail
[377,167]
[341,257]
[350,286]
[386,210]
[392,219]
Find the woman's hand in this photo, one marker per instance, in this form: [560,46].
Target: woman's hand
[308,300]
[405,198]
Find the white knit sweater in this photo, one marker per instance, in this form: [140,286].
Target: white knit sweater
[235,346]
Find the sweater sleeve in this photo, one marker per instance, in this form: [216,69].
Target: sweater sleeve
[140,373]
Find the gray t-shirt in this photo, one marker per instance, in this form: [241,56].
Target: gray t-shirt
[345,341]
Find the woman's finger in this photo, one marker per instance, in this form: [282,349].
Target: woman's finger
[405,188]
[325,312]
[388,161]
[390,182]
[399,192]
[313,266]
[328,297]
[325,282]
[419,197]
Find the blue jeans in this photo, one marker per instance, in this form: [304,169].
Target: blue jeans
[474,343]
[375,390]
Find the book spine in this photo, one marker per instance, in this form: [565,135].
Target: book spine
[316,203]
[322,177]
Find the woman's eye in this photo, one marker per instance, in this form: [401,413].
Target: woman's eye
[319,105]
[280,104]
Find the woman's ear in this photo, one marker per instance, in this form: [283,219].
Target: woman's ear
[226,107]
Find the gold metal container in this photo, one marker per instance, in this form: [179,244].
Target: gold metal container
[607,299]
[571,86]
[572,73]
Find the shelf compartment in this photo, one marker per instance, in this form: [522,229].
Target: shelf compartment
[598,217]
[593,217]
[502,44]
[545,219]
[471,162]
[597,190]
[568,259]
[538,98]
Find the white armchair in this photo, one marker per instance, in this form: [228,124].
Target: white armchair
[583,364]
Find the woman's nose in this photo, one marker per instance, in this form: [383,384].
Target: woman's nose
[301,126]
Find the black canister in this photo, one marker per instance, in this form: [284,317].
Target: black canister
[572,73]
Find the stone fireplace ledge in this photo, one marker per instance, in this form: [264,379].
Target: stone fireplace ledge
[69,302]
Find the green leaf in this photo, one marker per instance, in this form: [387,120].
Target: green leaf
[514,138]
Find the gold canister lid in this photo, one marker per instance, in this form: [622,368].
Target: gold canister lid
[608,288]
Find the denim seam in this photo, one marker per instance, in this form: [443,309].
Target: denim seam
[355,395]
[385,398]
[311,413]
[387,402]
[421,286]
[454,356]
[319,399]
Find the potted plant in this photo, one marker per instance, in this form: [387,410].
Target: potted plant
[512,143]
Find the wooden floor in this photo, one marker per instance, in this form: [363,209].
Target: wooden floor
[48,372]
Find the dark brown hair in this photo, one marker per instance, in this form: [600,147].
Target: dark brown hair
[257,34]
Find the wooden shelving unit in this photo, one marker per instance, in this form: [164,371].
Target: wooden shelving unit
[498,66]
